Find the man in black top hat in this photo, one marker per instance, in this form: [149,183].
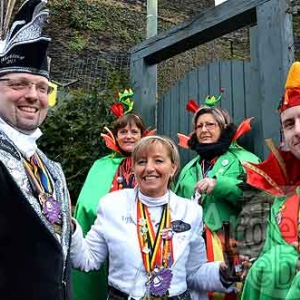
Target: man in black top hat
[34,200]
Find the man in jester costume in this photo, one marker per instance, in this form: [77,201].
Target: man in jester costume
[214,176]
[109,173]
[275,275]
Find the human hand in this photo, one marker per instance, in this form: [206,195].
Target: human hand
[247,263]
[205,185]
[225,275]
[231,274]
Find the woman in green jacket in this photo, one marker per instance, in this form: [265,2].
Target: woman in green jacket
[214,176]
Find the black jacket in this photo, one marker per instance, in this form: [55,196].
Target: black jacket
[33,264]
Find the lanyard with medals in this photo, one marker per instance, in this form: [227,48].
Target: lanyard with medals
[205,168]
[39,179]
[156,250]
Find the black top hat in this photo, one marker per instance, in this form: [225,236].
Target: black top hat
[23,49]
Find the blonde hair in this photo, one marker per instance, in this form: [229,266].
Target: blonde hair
[145,143]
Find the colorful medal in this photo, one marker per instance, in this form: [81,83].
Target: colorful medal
[51,209]
[156,250]
[41,184]
[160,281]
[167,234]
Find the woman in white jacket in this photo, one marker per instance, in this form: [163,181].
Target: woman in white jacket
[152,238]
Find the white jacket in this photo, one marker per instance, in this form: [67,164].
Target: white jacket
[114,236]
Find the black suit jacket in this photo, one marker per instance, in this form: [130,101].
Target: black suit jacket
[32,263]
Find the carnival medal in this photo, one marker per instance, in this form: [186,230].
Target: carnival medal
[50,208]
[160,281]
[156,250]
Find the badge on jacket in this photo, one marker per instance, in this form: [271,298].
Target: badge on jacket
[180,226]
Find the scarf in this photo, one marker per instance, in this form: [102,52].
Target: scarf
[209,151]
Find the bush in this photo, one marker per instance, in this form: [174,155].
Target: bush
[72,134]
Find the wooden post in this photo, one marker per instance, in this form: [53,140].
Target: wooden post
[274,39]
[254,98]
[144,85]
[144,76]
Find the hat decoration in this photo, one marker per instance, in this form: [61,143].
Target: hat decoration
[123,106]
[271,175]
[23,47]
[211,101]
[291,95]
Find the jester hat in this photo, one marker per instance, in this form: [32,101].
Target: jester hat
[291,95]
[279,173]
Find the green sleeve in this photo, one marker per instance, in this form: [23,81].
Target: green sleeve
[273,275]
[294,291]
[227,185]
[97,184]
[187,179]
[227,181]
[273,234]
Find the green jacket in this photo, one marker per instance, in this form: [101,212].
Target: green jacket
[222,203]
[93,285]
[272,276]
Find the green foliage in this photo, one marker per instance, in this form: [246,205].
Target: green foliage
[58,5]
[118,22]
[77,43]
[73,127]
[72,134]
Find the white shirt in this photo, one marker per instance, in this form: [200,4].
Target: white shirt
[26,143]
[114,236]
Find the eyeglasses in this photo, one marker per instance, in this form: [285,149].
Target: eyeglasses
[22,84]
[208,126]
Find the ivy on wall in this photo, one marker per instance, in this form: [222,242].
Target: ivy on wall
[122,24]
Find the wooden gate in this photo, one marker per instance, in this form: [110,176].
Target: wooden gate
[252,89]
[240,99]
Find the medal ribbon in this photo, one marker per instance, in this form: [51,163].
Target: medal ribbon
[39,179]
[38,175]
[151,243]
[168,245]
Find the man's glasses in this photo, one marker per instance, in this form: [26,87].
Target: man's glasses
[22,84]
[207,125]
